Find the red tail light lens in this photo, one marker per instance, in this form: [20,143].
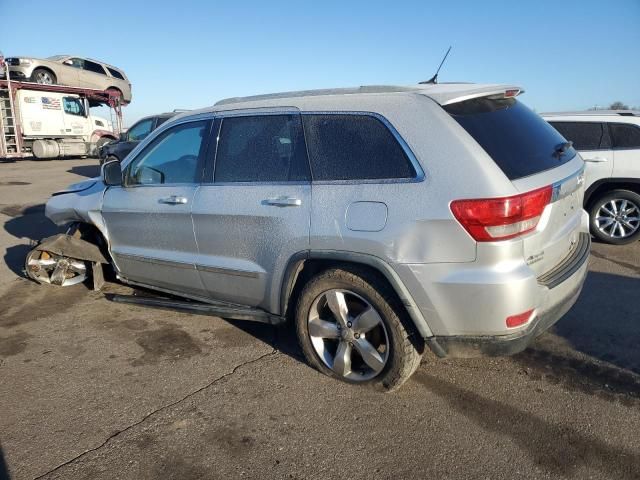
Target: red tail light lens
[520,319]
[492,219]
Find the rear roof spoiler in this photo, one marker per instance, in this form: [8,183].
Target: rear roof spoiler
[460,92]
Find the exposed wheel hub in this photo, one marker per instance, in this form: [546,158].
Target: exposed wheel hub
[47,267]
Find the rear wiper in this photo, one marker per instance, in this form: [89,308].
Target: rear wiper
[562,148]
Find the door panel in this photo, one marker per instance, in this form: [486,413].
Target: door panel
[256,215]
[151,236]
[598,165]
[246,235]
[626,140]
[149,218]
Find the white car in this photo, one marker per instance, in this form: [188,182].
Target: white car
[609,143]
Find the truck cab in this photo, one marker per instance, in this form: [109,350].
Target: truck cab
[60,124]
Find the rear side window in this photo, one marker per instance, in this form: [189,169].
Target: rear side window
[264,148]
[115,73]
[161,120]
[94,67]
[354,147]
[584,135]
[625,136]
[517,139]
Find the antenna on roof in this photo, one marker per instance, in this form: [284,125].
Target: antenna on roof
[434,79]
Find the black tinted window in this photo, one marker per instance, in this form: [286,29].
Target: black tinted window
[161,120]
[584,135]
[519,141]
[140,130]
[625,136]
[115,73]
[267,148]
[94,67]
[173,157]
[354,147]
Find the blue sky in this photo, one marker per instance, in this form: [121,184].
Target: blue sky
[189,54]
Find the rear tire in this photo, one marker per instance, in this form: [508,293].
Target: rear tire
[44,77]
[615,217]
[397,349]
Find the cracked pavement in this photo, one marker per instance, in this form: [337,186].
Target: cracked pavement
[92,389]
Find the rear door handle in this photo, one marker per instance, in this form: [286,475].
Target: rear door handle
[284,202]
[174,200]
[596,160]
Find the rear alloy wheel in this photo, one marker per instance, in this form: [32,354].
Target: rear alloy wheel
[615,217]
[351,326]
[48,268]
[44,77]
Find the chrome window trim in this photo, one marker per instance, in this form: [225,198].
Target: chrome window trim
[419,176]
[558,194]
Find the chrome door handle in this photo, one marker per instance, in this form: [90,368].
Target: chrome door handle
[284,202]
[174,200]
[596,160]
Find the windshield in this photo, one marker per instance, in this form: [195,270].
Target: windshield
[55,58]
[517,139]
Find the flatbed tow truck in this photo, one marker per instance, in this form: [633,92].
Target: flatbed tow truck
[52,121]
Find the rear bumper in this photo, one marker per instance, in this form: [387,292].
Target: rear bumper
[562,291]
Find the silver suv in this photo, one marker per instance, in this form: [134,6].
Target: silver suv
[609,142]
[379,219]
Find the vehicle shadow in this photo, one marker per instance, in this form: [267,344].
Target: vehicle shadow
[89,171]
[4,470]
[602,326]
[26,222]
[559,449]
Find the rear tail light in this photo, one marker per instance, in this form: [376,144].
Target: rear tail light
[492,219]
[520,319]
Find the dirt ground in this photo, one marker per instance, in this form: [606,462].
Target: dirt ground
[91,389]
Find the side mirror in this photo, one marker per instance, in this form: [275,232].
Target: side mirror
[112,173]
[123,136]
[68,62]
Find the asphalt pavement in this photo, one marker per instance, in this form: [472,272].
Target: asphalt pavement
[91,389]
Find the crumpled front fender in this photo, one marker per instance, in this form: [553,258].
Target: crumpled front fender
[68,246]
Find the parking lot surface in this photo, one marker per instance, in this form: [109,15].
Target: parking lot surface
[91,389]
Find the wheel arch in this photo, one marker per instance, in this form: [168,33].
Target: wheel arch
[43,67]
[601,187]
[305,265]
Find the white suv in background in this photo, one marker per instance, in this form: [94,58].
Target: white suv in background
[609,142]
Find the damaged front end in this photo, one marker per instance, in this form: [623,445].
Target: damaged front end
[71,258]
[64,260]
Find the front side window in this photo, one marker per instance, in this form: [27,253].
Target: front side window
[354,147]
[625,135]
[94,67]
[73,106]
[140,130]
[584,135]
[75,62]
[265,148]
[173,157]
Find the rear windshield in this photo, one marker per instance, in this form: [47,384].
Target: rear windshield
[519,141]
